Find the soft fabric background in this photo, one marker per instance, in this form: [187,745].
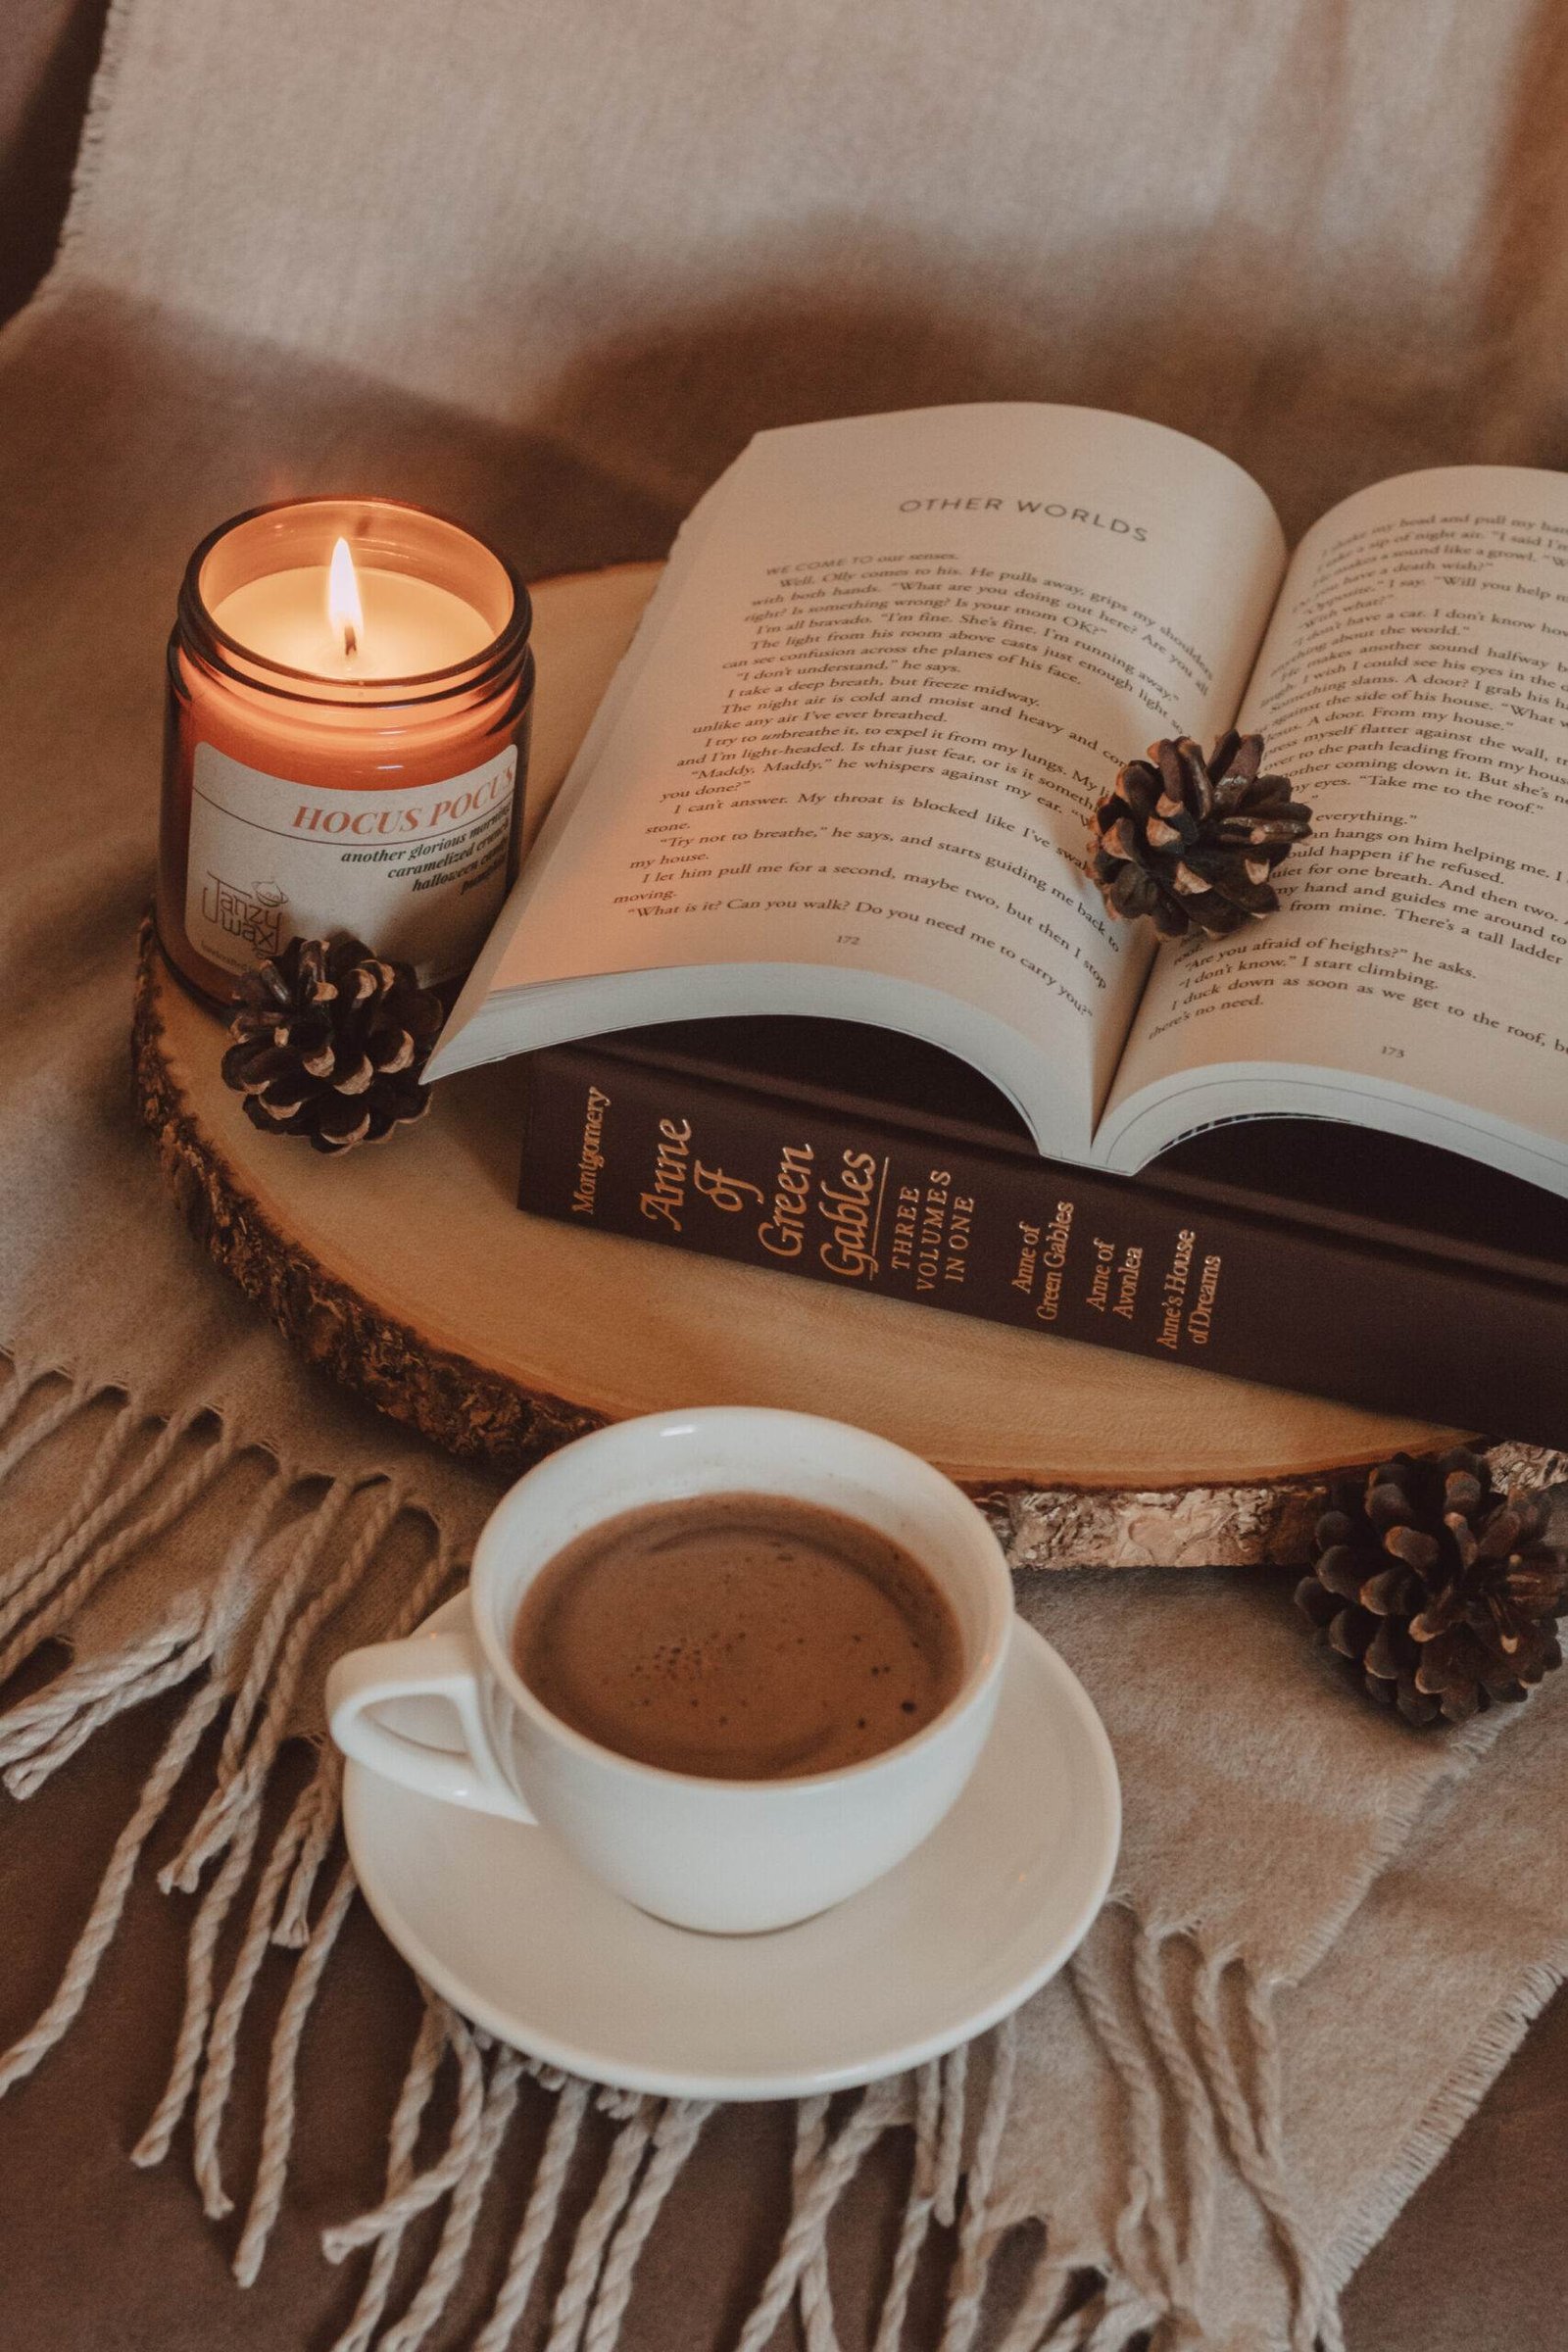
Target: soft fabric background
[1328,236]
[567,284]
[47,62]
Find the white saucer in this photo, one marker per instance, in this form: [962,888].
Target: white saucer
[507,1929]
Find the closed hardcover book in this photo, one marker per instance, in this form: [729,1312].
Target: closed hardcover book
[1305,1254]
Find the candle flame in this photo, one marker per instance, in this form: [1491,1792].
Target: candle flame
[344,611]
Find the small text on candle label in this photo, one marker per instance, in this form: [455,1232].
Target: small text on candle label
[418,872]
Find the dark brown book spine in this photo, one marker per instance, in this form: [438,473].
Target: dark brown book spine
[868,1203]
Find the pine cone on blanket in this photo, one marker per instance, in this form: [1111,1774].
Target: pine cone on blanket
[329,1042]
[1442,1594]
[1192,842]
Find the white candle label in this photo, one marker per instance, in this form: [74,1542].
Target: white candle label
[418,873]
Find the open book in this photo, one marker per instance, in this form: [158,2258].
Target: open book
[846,766]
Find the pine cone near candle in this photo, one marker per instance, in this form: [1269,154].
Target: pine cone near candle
[1192,842]
[328,1043]
[1440,1594]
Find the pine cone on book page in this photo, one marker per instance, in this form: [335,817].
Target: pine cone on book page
[1440,1594]
[329,1042]
[1192,842]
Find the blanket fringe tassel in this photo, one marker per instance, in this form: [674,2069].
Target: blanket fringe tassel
[1189,2034]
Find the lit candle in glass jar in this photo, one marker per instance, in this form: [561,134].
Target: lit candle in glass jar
[350,686]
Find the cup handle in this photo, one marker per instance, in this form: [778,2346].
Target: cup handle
[425,1666]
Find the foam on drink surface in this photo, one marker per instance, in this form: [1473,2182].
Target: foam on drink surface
[739,1637]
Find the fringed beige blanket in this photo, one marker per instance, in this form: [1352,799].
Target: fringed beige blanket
[1212,2116]
[548,271]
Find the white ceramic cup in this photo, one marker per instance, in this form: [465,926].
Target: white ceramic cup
[726,1856]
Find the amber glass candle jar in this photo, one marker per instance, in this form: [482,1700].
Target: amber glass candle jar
[350,686]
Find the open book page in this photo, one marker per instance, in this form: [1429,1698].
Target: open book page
[848,765]
[1414,686]
[477,992]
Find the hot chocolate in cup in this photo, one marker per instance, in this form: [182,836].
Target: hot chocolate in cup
[723,1839]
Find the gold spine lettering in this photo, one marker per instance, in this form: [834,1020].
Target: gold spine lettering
[667,1196]
[1201,1320]
[1053,1260]
[728,1193]
[847,1205]
[1127,1274]
[590,1159]
[1173,1291]
[782,1233]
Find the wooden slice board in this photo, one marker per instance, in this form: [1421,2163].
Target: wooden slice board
[405,1272]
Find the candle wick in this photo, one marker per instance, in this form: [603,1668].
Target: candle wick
[351,641]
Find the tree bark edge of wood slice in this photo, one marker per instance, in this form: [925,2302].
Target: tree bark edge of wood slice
[469,1411]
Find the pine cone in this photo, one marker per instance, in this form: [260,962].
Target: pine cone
[1440,1593]
[1193,840]
[328,1043]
